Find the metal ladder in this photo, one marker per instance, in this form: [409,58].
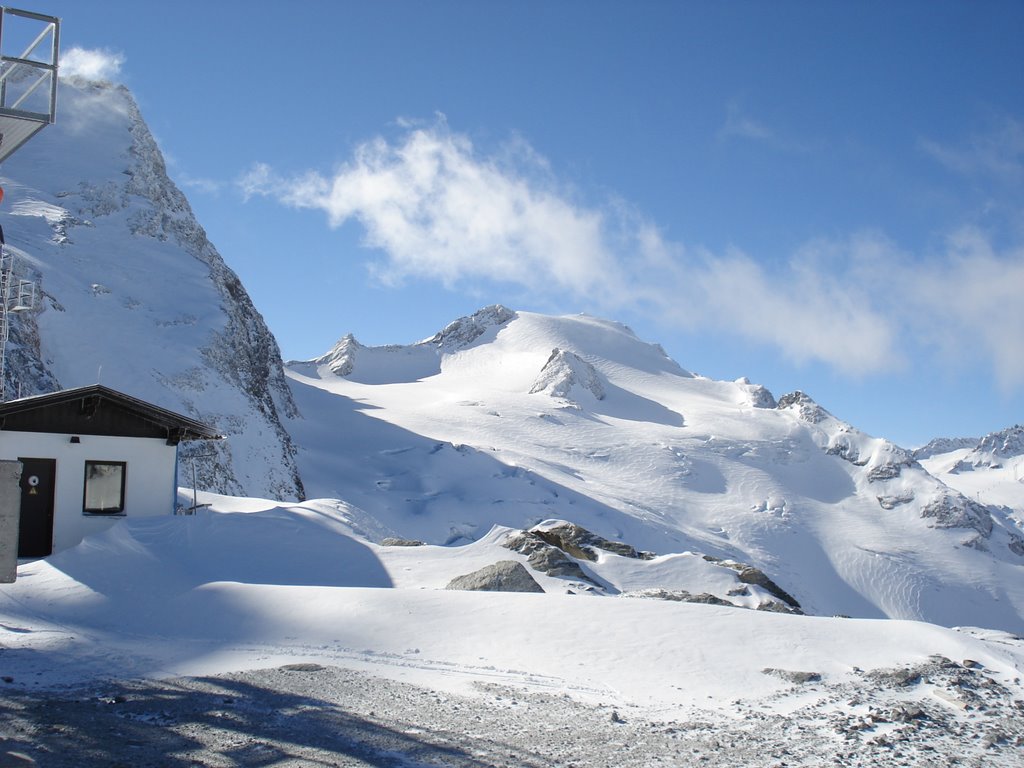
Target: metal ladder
[16,295]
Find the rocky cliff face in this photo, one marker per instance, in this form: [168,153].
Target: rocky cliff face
[134,295]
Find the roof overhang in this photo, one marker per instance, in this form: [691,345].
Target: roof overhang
[99,410]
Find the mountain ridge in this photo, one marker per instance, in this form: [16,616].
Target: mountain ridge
[503,417]
[666,460]
[93,219]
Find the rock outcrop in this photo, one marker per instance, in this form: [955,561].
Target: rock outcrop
[135,296]
[503,576]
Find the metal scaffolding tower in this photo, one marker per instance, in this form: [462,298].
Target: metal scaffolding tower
[16,295]
[28,103]
[28,79]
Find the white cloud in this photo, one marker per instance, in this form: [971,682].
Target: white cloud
[437,210]
[199,184]
[968,304]
[998,153]
[91,64]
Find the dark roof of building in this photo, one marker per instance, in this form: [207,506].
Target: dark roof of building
[99,410]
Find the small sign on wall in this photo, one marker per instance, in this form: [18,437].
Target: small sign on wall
[10,519]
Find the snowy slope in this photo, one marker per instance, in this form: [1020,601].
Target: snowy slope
[299,590]
[989,470]
[134,295]
[514,418]
[187,597]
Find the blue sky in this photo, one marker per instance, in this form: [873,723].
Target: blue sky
[826,196]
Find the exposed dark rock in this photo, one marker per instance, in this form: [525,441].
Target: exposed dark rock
[752,575]
[546,558]
[975,542]
[891,502]
[944,445]
[1016,545]
[1006,443]
[680,596]
[906,713]
[503,576]
[341,360]
[900,677]
[579,542]
[564,371]
[954,510]
[392,541]
[807,409]
[774,606]
[791,676]
[760,396]
[843,447]
[891,469]
[464,331]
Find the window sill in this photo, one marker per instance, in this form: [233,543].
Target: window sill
[104,514]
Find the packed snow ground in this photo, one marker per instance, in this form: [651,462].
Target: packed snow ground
[402,668]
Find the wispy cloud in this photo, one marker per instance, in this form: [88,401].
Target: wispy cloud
[997,153]
[739,125]
[438,210]
[200,184]
[91,64]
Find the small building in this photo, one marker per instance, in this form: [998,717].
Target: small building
[91,456]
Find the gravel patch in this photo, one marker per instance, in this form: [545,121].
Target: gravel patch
[308,714]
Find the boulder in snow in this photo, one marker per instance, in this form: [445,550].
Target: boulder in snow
[503,576]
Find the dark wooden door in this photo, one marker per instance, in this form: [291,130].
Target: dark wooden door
[35,536]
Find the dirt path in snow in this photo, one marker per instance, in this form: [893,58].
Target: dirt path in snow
[312,715]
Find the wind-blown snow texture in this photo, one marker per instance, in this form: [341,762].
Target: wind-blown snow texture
[135,296]
[440,441]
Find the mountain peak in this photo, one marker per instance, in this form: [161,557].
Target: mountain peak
[1007,443]
[566,372]
[135,293]
[804,406]
[464,331]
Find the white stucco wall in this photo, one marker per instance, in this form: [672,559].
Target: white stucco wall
[150,481]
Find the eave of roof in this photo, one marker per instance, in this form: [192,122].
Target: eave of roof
[183,427]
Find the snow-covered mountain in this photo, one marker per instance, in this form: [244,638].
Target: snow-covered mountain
[502,418]
[989,470]
[650,504]
[513,418]
[133,294]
